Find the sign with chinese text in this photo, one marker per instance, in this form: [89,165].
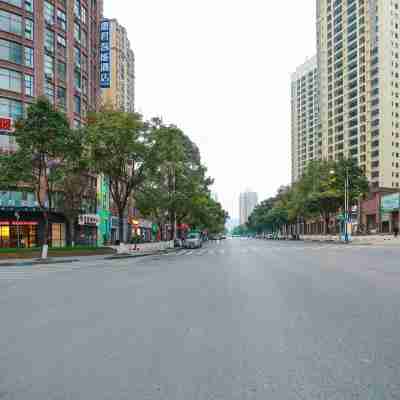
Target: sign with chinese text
[89,219]
[390,203]
[6,125]
[105,55]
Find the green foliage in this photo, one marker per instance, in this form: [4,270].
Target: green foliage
[319,193]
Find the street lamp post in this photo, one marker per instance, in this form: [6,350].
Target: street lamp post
[17,216]
[346,203]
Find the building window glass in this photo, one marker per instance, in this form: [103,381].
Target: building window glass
[29,29]
[83,15]
[77,57]
[49,91]
[48,67]
[78,80]
[84,86]
[16,3]
[62,20]
[29,88]
[10,22]
[62,98]
[29,5]
[77,105]
[49,41]
[77,8]
[77,32]
[10,51]
[61,45]
[11,108]
[10,80]
[62,71]
[84,38]
[49,13]
[28,57]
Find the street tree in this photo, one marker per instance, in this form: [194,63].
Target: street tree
[43,140]
[117,146]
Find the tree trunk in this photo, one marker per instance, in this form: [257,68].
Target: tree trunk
[327,231]
[45,235]
[121,226]
[71,228]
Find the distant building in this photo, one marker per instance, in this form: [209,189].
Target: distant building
[306,133]
[247,203]
[120,89]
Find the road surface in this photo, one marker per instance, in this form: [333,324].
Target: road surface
[242,319]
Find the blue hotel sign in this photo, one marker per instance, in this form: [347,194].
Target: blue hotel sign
[105,55]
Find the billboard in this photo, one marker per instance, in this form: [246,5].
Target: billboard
[105,55]
[390,203]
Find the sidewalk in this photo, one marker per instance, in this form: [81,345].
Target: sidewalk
[372,239]
[70,260]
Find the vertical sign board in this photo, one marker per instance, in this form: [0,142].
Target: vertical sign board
[105,54]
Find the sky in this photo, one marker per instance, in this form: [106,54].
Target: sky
[220,70]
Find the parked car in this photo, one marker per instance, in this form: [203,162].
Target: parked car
[193,241]
[178,243]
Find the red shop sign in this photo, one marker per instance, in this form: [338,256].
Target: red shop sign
[5,124]
[19,223]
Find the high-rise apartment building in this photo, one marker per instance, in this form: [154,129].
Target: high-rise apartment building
[358,59]
[119,89]
[48,48]
[247,203]
[306,133]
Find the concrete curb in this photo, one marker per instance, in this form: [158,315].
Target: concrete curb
[31,263]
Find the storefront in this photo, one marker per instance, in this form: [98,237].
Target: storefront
[25,229]
[143,229]
[390,206]
[22,234]
[86,232]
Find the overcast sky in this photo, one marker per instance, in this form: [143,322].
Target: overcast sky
[220,70]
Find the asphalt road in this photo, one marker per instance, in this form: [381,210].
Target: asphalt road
[243,319]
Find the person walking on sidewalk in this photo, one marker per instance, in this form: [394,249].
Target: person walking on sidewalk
[396,232]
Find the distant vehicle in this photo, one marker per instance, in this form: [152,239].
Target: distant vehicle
[223,237]
[270,236]
[193,241]
[178,243]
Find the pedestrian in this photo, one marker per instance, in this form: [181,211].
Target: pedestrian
[396,232]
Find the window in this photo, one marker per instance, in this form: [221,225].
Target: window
[29,29]
[62,45]
[77,80]
[48,67]
[84,38]
[49,91]
[11,108]
[62,98]
[29,5]
[10,51]
[62,20]
[62,71]
[16,3]
[49,13]
[10,80]
[49,41]
[77,9]
[77,105]
[77,57]
[29,89]
[84,62]
[28,52]
[83,15]
[77,32]
[10,22]
[84,86]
